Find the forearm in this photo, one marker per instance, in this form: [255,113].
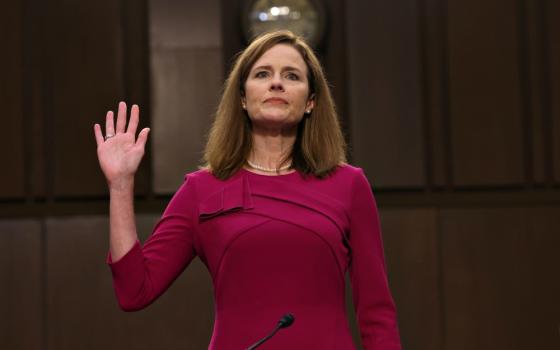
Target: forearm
[122,222]
[144,272]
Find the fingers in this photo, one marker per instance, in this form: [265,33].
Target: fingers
[142,138]
[121,118]
[109,124]
[112,130]
[134,118]
[98,135]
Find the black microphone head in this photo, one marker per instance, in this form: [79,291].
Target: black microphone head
[286,320]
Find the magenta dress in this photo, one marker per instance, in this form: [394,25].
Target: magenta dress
[273,245]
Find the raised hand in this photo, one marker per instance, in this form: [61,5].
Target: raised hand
[120,152]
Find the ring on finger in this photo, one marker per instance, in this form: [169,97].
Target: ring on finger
[108,136]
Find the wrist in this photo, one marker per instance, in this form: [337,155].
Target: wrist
[121,186]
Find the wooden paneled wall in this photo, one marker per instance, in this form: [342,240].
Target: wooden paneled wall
[187,76]
[457,101]
[12,147]
[456,94]
[57,292]
[385,92]
[451,107]
[69,63]
[498,268]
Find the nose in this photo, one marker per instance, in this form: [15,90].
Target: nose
[276,83]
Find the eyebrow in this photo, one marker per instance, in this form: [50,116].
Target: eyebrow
[269,67]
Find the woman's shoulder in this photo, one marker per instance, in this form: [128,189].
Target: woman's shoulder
[348,171]
[202,177]
[200,173]
[352,176]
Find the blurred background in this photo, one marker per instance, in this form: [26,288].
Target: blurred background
[452,107]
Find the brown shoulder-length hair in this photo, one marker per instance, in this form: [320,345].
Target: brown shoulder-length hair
[319,146]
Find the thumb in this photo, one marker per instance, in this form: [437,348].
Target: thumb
[142,137]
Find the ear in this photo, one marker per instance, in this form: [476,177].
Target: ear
[243,102]
[310,104]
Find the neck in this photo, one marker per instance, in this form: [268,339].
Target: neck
[270,147]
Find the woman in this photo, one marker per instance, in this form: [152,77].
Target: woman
[276,214]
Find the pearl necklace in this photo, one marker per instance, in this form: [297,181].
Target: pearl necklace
[268,170]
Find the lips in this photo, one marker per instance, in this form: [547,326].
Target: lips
[277,100]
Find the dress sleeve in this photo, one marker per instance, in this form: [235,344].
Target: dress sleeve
[145,272]
[374,306]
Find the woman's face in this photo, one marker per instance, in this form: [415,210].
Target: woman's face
[277,90]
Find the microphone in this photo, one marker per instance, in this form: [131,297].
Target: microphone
[285,321]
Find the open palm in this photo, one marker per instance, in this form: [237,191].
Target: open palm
[120,152]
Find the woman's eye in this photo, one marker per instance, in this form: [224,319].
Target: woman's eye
[293,76]
[261,74]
